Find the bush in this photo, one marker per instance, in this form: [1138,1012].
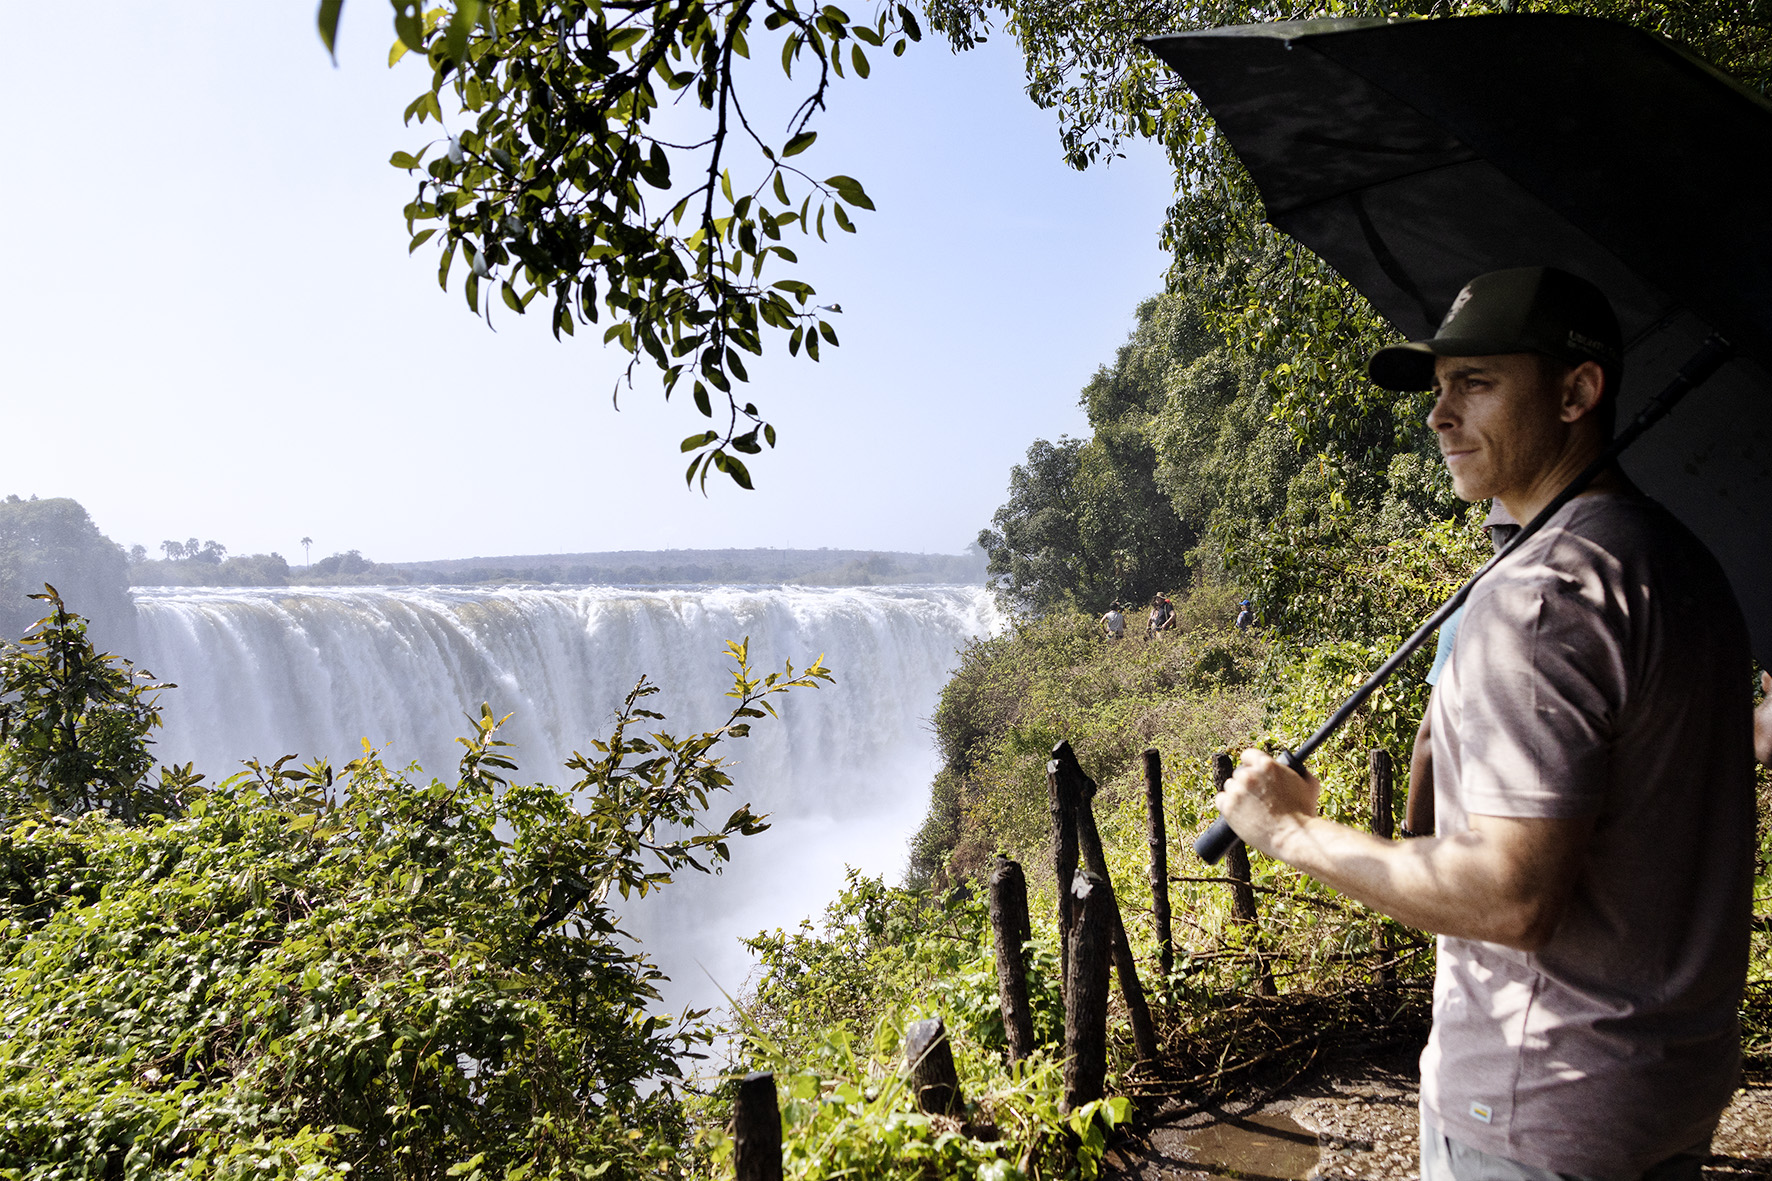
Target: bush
[377,976]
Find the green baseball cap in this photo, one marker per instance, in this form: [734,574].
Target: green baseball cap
[1524,310]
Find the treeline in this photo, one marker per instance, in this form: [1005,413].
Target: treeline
[209,566]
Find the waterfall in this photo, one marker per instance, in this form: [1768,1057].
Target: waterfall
[843,773]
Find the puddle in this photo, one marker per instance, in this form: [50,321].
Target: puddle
[1256,1147]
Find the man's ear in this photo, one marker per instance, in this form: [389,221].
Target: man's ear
[1583,388]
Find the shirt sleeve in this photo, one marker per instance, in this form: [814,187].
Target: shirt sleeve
[1542,680]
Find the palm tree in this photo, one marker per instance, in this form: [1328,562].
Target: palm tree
[307,544]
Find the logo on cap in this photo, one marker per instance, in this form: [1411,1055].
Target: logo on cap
[1464,297]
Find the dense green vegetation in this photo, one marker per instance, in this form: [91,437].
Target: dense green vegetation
[297,973]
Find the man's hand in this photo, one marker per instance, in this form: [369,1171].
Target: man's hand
[1763,722]
[1265,801]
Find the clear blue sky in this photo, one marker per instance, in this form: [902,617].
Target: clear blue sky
[212,327]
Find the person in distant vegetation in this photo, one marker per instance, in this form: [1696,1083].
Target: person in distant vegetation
[1114,622]
[1162,614]
[1245,616]
[1418,812]
[1591,882]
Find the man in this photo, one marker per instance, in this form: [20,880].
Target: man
[1162,617]
[1591,877]
[1114,622]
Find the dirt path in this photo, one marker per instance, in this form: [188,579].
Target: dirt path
[1359,1121]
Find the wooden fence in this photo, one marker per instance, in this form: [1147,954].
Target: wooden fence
[1092,947]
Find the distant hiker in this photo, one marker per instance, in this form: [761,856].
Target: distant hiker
[1114,622]
[1246,616]
[1162,614]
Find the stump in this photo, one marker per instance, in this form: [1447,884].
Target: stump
[1086,992]
[929,1063]
[1236,869]
[1158,835]
[1138,1011]
[1061,799]
[1010,933]
[756,1129]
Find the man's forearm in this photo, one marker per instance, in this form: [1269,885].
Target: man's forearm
[1505,880]
[1457,885]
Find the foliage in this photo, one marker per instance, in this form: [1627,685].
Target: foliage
[74,726]
[55,541]
[1190,692]
[827,1015]
[567,184]
[375,977]
[240,570]
[1083,527]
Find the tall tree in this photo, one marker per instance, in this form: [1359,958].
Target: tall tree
[54,541]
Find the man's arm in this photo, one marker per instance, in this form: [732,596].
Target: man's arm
[1763,722]
[1418,811]
[1504,881]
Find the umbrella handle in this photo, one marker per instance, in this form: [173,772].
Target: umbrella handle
[1216,841]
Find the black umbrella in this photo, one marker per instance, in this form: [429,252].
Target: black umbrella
[1414,155]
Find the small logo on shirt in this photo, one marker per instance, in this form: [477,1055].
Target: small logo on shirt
[1482,1112]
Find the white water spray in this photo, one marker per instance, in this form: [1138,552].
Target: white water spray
[844,773]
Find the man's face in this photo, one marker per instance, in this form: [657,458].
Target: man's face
[1500,423]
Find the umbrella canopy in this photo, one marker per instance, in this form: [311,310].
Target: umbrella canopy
[1414,155]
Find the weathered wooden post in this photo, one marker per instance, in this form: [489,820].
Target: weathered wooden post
[1158,832]
[756,1129]
[1383,773]
[1236,868]
[1062,798]
[1086,991]
[1138,1010]
[1010,932]
[1382,778]
[929,1060]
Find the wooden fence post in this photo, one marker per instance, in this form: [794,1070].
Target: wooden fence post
[1086,992]
[930,1061]
[1061,797]
[1383,780]
[1010,932]
[1236,868]
[1138,1011]
[756,1129]
[1158,833]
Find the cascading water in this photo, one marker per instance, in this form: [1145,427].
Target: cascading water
[843,774]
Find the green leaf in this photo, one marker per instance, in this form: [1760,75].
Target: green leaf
[419,239]
[732,466]
[459,25]
[328,21]
[406,160]
[860,61]
[799,143]
[696,441]
[850,190]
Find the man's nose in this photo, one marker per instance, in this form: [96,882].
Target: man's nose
[1440,416]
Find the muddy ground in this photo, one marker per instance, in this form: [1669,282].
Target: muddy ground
[1357,1119]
